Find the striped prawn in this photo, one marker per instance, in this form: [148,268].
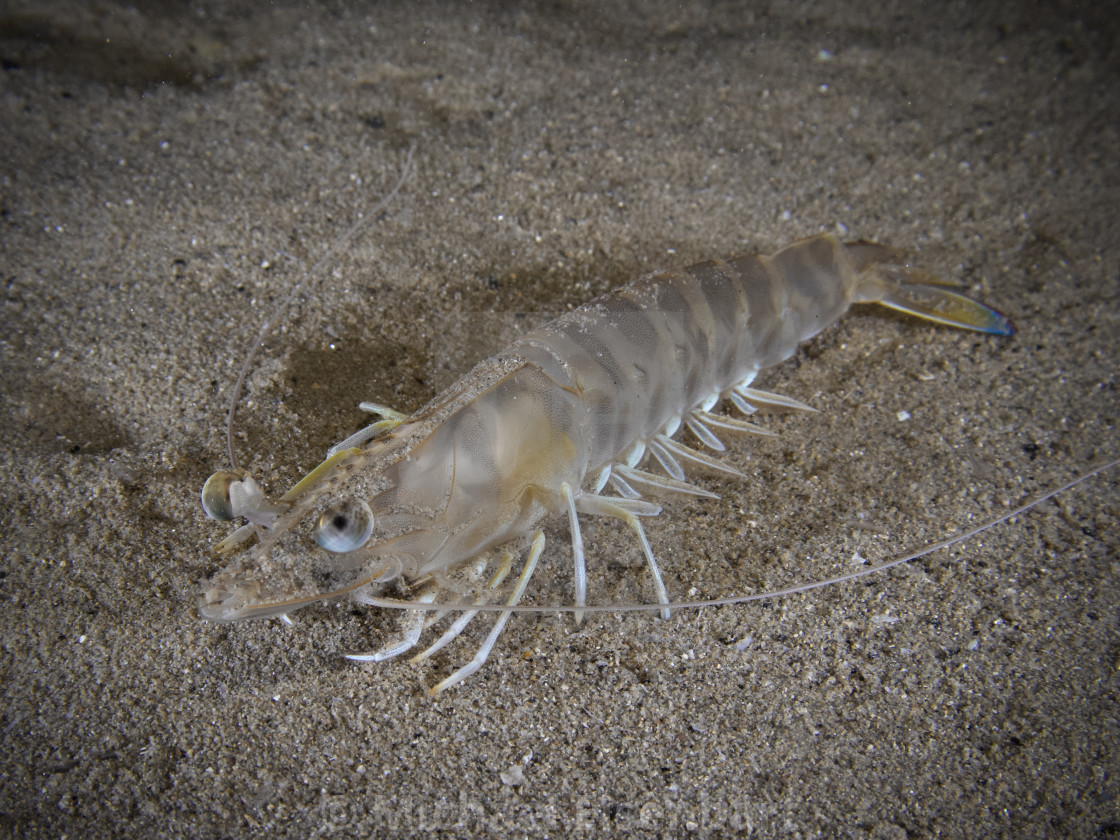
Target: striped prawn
[577,418]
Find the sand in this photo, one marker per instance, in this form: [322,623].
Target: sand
[167,171]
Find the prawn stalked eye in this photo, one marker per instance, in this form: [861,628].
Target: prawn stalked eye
[344,526]
[216,499]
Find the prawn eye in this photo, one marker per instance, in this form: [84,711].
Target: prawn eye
[345,526]
[216,499]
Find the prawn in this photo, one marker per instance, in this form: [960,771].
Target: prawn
[576,418]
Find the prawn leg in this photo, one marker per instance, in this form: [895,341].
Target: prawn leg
[413,626]
[579,571]
[462,621]
[488,645]
[745,398]
[628,510]
[632,478]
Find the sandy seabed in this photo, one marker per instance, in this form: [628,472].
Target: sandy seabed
[168,169]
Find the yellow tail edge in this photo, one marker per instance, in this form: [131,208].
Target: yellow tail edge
[886,278]
[938,304]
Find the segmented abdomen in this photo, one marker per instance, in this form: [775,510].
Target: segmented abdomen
[669,341]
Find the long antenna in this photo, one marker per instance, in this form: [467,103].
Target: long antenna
[258,342]
[394,603]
